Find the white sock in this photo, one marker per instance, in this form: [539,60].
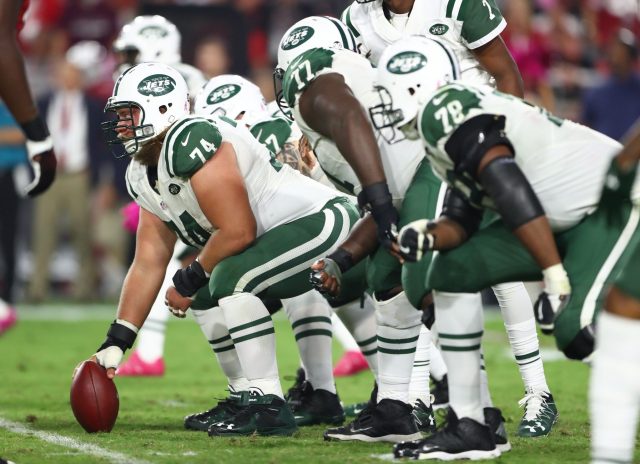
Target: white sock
[310,317]
[360,320]
[398,330]
[251,330]
[214,328]
[517,313]
[151,337]
[342,334]
[485,393]
[460,327]
[419,384]
[614,394]
[438,367]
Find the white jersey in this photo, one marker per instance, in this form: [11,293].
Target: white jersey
[565,163]
[400,161]
[464,24]
[277,194]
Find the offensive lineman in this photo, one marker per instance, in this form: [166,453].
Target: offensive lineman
[541,174]
[214,186]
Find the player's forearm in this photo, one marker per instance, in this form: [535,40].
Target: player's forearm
[508,80]
[537,238]
[447,234]
[630,153]
[139,291]
[222,244]
[14,89]
[362,241]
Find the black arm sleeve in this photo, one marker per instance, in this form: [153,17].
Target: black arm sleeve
[511,192]
[457,208]
[469,142]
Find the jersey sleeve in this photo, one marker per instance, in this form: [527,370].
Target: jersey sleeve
[189,144]
[303,70]
[272,133]
[481,22]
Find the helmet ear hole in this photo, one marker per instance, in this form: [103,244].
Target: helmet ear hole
[412,91]
[163,109]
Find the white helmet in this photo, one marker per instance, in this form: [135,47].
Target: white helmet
[150,38]
[232,96]
[408,73]
[308,33]
[159,91]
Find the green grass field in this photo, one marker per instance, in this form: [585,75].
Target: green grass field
[37,425]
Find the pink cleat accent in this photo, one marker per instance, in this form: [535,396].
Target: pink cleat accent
[9,320]
[351,363]
[136,367]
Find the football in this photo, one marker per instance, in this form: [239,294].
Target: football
[94,398]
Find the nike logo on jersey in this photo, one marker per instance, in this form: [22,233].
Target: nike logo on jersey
[440,99]
[186,141]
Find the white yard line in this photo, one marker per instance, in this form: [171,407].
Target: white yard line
[71,443]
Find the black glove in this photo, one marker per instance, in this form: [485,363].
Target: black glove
[546,308]
[190,279]
[119,335]
[43,164]
[415,241]
[377,199]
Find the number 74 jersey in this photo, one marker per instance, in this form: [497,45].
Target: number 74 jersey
[277,194]
[565,163]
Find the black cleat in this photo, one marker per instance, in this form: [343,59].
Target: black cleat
[225,409]
[266,415]
[317,407]
[294,395]
[440,392]
[459,439]
[390,421]
[493,418]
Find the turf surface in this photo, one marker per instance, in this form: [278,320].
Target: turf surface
[39,354]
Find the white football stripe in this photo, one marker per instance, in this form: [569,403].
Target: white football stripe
[61,440]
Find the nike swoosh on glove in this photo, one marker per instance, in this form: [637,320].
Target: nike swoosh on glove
[43,162]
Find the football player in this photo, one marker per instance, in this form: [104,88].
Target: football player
[615,375]
[314,400]
[318,83]
[540,174]
[154,39]
[472,31]
[258,226]
[14,91]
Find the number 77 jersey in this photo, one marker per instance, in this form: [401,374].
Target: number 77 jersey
[565,163]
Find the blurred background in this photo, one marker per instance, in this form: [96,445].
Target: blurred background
[578,59]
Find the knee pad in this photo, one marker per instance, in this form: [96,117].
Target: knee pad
[397,312]
[582,345]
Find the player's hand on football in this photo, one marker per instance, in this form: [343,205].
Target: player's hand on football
[43,163]
[109,358]
[177,304]
[326,276]
[414,240]
[554,297]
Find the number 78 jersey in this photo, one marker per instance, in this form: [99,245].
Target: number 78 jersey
[565,163]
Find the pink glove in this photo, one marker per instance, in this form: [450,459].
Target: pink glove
[130,217]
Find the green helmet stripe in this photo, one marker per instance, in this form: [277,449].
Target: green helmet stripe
[353,30]
[452,60]
[343,36]
[115,90]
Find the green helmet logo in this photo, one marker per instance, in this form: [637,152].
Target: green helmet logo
[297,37]
[438,29]
[156,85]
[153,32]
[406,62]
[222,93]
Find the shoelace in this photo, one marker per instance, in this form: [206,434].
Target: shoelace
[534,405]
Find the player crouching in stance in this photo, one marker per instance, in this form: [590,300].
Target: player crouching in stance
[259,225]
[543,177]
[614,394]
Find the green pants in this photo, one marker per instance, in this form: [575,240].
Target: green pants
[384,271]
[593,252]
[628,280]
[277,264]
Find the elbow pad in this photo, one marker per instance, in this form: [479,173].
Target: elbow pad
[511,192]
[457,208]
